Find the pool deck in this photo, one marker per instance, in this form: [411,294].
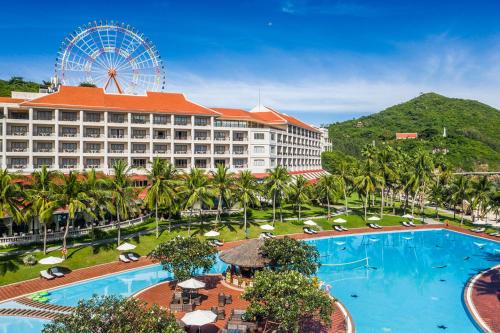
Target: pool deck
[161,294]
[482,297]
[19,289]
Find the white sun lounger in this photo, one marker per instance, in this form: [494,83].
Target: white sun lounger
[412,224]
[46,275]
[132,257]
[55,271]
[123,258]
[338,228]
[343,228]
[308,231]
[406,224]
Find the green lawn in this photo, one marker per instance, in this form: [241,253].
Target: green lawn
[12,268]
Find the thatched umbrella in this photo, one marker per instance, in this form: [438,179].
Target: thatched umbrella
[246,255]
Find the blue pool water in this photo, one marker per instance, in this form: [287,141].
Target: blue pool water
[414,281]
[21,325]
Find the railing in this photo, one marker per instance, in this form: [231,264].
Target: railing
[72,233]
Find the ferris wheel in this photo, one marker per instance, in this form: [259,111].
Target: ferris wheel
[111,55]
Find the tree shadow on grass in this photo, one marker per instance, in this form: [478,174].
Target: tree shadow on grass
[10,264]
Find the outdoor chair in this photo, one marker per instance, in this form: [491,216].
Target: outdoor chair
[56,271]
[405,224]
[337,228]
[123,258]
[132,257]
[46,275]
[411,224]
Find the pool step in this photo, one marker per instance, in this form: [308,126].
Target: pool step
[41,314]
[44,306]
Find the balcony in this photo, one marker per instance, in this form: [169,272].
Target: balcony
[92,166]
[180,152]
[117,136]
[221,138]
[221,152]
[161,152]
[139,151]
[17,166]
[239,152]
[140,136]
[93,135]
[69,135]
[69,150]
[117,151]
[92,151]
[70,166]
[240,166]
[18,133]
[201,138]
[18,150]
[162,137]
[43,134]
[44,150]
[201,152]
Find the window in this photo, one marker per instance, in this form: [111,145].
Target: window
[117,148]
[258,136]
[113,161]
[139,162]
[43,161]
[161,119]
[138,118]
[116,118]
[116,133]
[44,115]
[182,120]
[139,148]
[180,149]
[181,135]
[230,123]
[273,149]
[181,163]
[200,163]
[92,132]
[93,117]
[139,134]
[93,147]
[44,146]
[201,121]
[220,162]
[69,147]
[160,149]
[273,136]
[93,163]
[68,163]
[44,131]
[200,149]
[258,163]
[259,149]
[19,130]
[69,116]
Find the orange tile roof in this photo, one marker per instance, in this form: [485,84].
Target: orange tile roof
[11,100]
[96,99]
[236,114]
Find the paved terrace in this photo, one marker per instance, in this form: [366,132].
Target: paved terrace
[482,297]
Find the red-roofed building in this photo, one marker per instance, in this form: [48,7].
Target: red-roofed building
[83,127]
[404,136]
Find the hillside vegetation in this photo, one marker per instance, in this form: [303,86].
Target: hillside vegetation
[17,83]
[473,131]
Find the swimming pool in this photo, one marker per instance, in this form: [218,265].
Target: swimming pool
[393,282]
[411,282]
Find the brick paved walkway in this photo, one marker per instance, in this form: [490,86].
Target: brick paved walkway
[161,294]
[482,296]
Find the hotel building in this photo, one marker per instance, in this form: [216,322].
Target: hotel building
[78,128]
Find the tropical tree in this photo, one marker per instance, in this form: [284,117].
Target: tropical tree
[385,159]
[247,193]
[423,168]
[326,189]
[114,314]
[42,198]
[481,195]
[98,190]
[71,197]
[223,183]
[460,191]
[437,196]
[344,176]
[276,184]
[161,191]
[196,189]
[123,197]
[366,183]
[11,195]
[289,254]
[299,192]
[285,298]
[184,257]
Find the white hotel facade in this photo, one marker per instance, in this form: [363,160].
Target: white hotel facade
[79,128]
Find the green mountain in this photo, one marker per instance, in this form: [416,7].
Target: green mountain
[472,130]
[17,83]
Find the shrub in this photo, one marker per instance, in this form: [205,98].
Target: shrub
[29,260]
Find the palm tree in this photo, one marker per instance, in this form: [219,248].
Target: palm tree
[482,192]
[43,199]
[161,191]
[196,188]
[72,197]
[460,190]
[277,185]
[344,176]
[367,183]
[10,195]
[437,196]
[247,190]
[299,192]
[223,182]
[385,158]
[98,191]
[122,194]
[326,187]
[420,178]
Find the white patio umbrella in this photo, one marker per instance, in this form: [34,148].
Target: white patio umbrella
[211,233]
[267,227]
[374,218]
[126,247]
[480,222]
[199,318]
[51,261]
[339,220]
[191,284]
[408,216]
[310,222]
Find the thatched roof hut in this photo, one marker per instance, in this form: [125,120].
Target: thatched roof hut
[246,255]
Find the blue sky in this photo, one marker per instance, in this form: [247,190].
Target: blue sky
[321,60]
